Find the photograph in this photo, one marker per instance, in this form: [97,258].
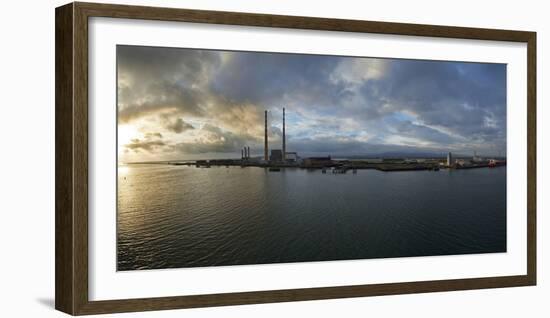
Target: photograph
[243,158]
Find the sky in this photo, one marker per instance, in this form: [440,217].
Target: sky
[178,103]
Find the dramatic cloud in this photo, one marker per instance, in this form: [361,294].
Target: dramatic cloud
[156,79]
[175,124]
[150,143]
[206,103]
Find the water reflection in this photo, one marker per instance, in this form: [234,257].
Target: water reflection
[179,216]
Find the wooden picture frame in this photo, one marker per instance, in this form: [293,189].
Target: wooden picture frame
[71,90]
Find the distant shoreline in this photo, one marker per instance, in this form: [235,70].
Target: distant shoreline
[337,165]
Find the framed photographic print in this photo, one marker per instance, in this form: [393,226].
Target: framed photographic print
[211,158]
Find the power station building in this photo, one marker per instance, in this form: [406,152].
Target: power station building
[276,155]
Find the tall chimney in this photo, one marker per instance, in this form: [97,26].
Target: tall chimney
[242,153]
[248,152]
[266,158]
[284,136]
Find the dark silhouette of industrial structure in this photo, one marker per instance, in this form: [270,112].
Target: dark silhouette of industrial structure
[276,155]
[275,159]
[284,137]
[266,158]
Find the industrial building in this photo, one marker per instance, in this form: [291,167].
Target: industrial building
[275,159]
[292,157]
[245,153]
[278,155]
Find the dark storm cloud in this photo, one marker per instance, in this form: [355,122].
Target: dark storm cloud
[155,97]
[333,103]
[156,79]
[268,78]
[175,124]
[459,97]
[455,95]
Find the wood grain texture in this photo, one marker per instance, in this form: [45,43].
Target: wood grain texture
[165,303]
[532,158]
[72,158]
[80,146]
[297,22]
[64,235]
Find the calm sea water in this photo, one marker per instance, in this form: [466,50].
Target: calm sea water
[178,216]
